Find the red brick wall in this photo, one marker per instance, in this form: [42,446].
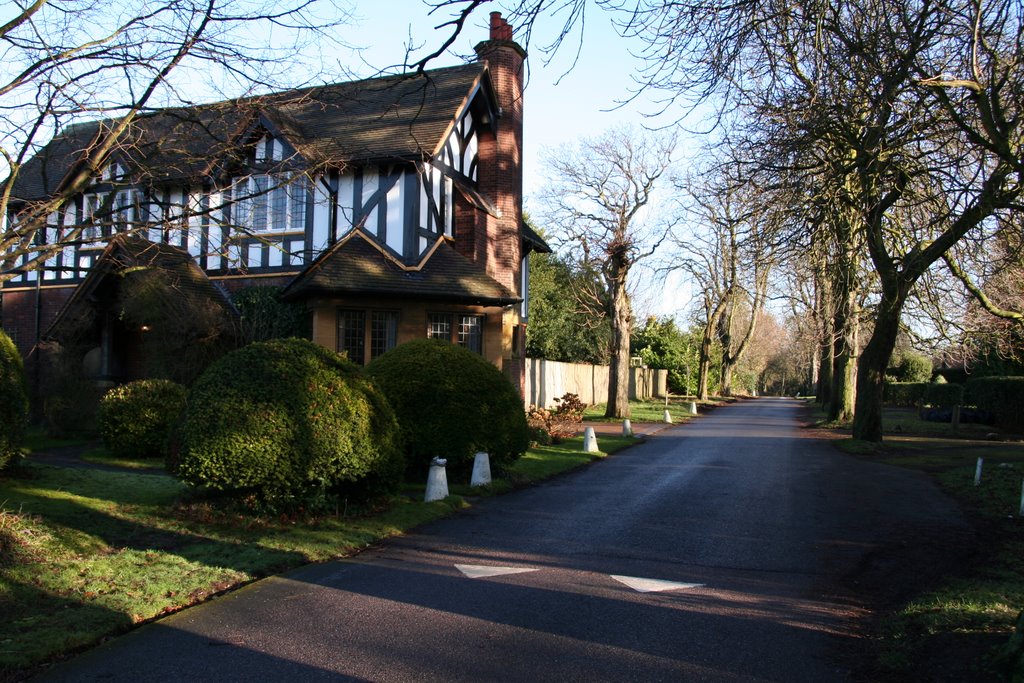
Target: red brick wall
[19,318]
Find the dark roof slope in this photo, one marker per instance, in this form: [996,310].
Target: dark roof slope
[355,265]
[386,118]
[128,252]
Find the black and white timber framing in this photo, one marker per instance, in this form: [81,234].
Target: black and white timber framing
[266,222]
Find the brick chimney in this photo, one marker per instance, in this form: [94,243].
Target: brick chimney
[500,176]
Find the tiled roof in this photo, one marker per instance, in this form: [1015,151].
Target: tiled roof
[126,252]
[378,119]
[355,265]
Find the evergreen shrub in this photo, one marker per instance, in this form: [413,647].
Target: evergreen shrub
[943,395]
[451,403]
[136,419]
[13,400]
[1003,397]
[908,366]
[287,422]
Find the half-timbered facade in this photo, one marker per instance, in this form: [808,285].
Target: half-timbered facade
[390,207]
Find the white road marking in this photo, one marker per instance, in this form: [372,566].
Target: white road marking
[653,585]
[474,571]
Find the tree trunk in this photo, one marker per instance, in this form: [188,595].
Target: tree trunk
[826,361]
[704,362]
[874,359]
[842,395]
[618,372]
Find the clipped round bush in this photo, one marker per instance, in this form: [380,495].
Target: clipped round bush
[451,403]
[13,400]
[287,421]
[908,366]
[136,419]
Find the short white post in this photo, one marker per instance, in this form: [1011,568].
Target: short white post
[692,407]
[627,428]
[481,470]
[1020,513]
[437,481]
[977,471]
[590,441]
[668,417]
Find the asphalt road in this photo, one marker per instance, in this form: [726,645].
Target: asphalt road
[721,550]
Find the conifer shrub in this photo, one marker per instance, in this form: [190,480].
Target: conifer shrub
[287,423]
[136,419]
[13,400]
[451,403]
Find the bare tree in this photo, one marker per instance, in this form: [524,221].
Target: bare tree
[90,74]
[599,206]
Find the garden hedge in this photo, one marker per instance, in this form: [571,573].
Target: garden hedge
[943,395]
[451,403]
[136,419]
[904,394]
[1001,396]
[13,400]
[288,421]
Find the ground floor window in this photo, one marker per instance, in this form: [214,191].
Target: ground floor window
[457,328]
[359,330]
[383,332]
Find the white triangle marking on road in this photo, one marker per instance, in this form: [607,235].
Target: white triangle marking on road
[653,585]
[474,571]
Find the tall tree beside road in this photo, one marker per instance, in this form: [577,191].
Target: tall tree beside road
[729,248]
[65,62]
[599,205]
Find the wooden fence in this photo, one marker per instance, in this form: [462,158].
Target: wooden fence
[547,380]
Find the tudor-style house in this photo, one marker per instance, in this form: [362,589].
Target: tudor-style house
[391,208]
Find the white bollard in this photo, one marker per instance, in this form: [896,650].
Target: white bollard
[481,470]
[977,471]
[590,441]
[668,418]
[692,407]
[627,428]
[437,481]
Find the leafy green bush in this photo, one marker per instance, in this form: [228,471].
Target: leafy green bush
[288,422]
[451,403]
[908,366]
[13,400]
[265,316]
[136,419]
[904,394]
[943,395]
[1001,396]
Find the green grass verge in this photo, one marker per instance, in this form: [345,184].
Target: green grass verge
[87,553]
[977,610]
[644,411]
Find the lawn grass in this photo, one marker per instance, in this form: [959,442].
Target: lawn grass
[980,606]
[644,411]
[88,553]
